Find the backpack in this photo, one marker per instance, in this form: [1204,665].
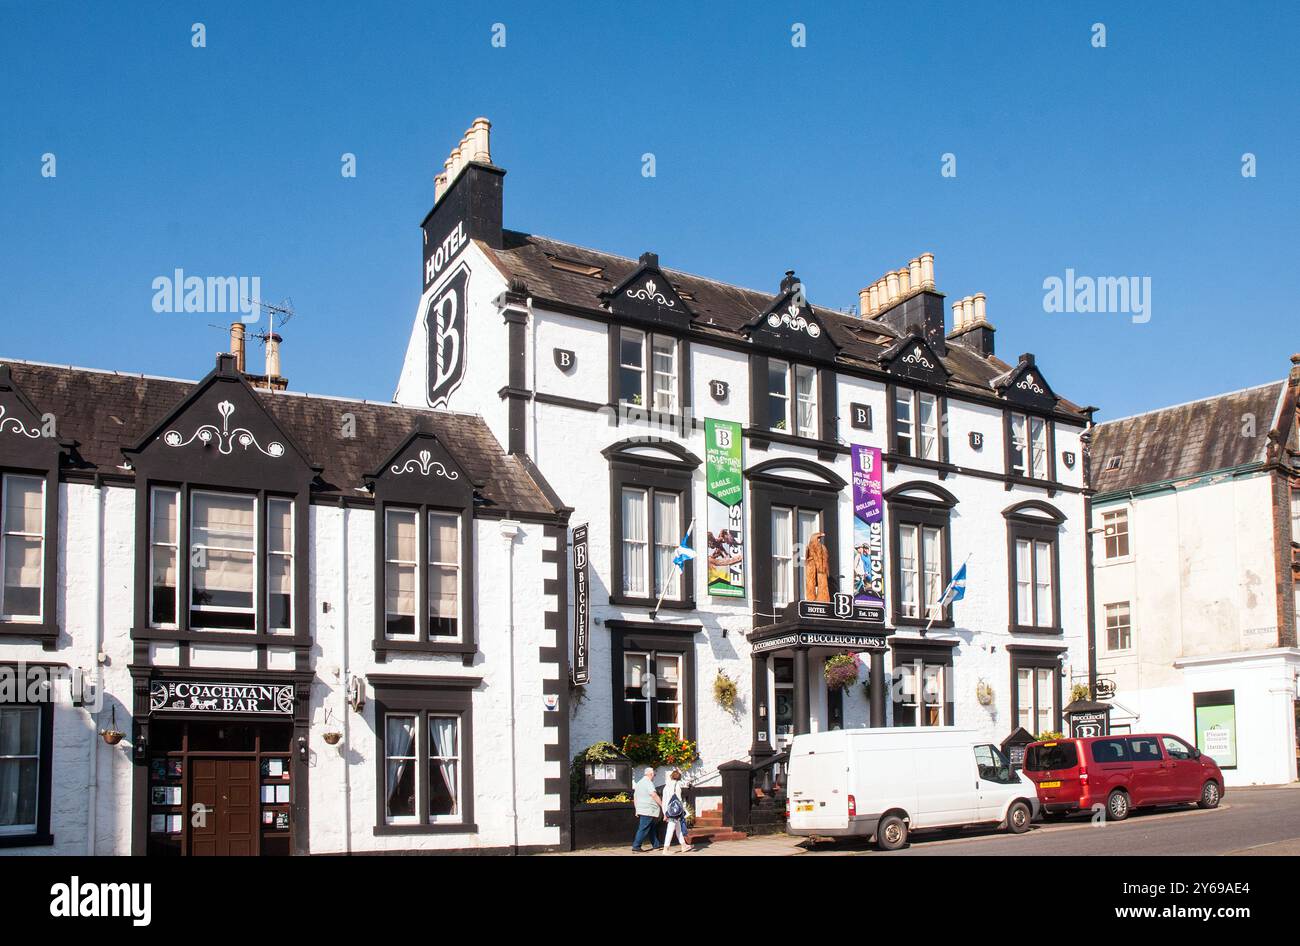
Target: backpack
[676,809]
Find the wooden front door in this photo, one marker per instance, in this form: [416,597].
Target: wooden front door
[227,822]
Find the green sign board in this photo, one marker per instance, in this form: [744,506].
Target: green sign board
[725,480]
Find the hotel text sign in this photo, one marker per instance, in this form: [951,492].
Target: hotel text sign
[179,696]
[581,608]
[820,639]
[842,607]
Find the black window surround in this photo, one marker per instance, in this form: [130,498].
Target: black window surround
[922,505]
[1033,521]
[25,450]
[423,696]
[932,653]
[423,477]
[773,483]
[655,466]
[1024,478]
[760,434]
[625,636]
[679,417]
[910,454]
[40,836]
[198,447]
[1028,657]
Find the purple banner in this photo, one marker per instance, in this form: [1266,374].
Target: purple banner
[868,528]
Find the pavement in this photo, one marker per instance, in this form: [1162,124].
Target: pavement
[1251,822]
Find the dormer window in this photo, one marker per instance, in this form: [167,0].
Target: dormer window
[1029,447]
[413,580]
[648,374]
[792,398]
[22,547]
[916,424]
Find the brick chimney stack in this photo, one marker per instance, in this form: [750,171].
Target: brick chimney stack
[970,325]
[905,297]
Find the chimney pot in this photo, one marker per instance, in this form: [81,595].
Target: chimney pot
[481,130]
[914,273]
[958,315]
[979,312]
[864,303]
[927,270]
[904,281]
[891,281]
[237,344]
[873,298]
[273,356]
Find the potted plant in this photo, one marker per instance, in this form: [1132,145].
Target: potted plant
[642,749]
[841,671]
[675,751]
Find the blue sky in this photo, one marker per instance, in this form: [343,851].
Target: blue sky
[826,159]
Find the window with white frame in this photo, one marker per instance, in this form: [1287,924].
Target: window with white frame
[792,413]
[1115,530]
[792,529]
[418,577]
[652,691]
[1029,447]
[416,791]
[20,765]
[279,564]
[164,554]
[921,696]
[1033,577]
[917,424]
[1295,514]
[920,570]
[1119,628]
[652,527]
[223,561]
[22,547]
[1036,698]
[648,370]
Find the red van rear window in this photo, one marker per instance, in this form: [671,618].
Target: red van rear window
[1060,755]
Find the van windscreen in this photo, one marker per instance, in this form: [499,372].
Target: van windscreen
[1059,755]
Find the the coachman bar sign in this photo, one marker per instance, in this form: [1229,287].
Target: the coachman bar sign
[581,608]
[180,696]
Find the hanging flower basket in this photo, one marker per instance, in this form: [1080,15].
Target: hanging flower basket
[332,738]
[724,692]
[111,736]
[841,671]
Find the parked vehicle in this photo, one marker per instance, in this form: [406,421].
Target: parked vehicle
[886,783]
[1122,772]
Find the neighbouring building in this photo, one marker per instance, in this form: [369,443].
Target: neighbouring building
[241,620]
[1196,552]
[660,404]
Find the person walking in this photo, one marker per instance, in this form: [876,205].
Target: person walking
[647,809]
[675,813]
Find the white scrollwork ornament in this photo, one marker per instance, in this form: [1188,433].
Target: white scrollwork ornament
[225,438]
[15,426]
[795,321]
[425,464]
[650,293]
[1027,383]
[917,357]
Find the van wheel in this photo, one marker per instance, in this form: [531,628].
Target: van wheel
[1018,817]
[1209,795]
[1117,806]
[892,833]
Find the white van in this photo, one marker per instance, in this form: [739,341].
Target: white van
[885,783]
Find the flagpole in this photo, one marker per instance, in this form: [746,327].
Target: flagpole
[664,590]
[945,594]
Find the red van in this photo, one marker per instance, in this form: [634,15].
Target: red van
[1122,772]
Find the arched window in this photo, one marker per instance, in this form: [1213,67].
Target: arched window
[919,517]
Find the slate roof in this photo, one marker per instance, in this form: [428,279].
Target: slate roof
[1183,441]
[721,309]
[104,411]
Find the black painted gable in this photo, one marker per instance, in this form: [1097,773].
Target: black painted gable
[422,470]
[913,358]
[1025,385]
[647,296]
[22,429]
[789,327]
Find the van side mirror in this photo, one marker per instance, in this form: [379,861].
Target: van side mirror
[1196,753]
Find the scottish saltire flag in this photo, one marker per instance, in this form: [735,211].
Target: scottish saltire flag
[684,552]
[956,589]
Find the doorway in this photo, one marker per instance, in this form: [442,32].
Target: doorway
[224,791]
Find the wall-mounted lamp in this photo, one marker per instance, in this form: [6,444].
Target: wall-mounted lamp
[302,748]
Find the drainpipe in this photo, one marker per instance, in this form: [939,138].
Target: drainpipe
[1088,543]
[345,675]
[509,532]
[92,776]
[532,382]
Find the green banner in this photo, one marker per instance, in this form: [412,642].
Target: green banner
[723,470]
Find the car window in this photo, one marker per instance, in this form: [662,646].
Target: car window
[1176,748]
[1145,749]
[1051,755]
[993,766]
[1110,750]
